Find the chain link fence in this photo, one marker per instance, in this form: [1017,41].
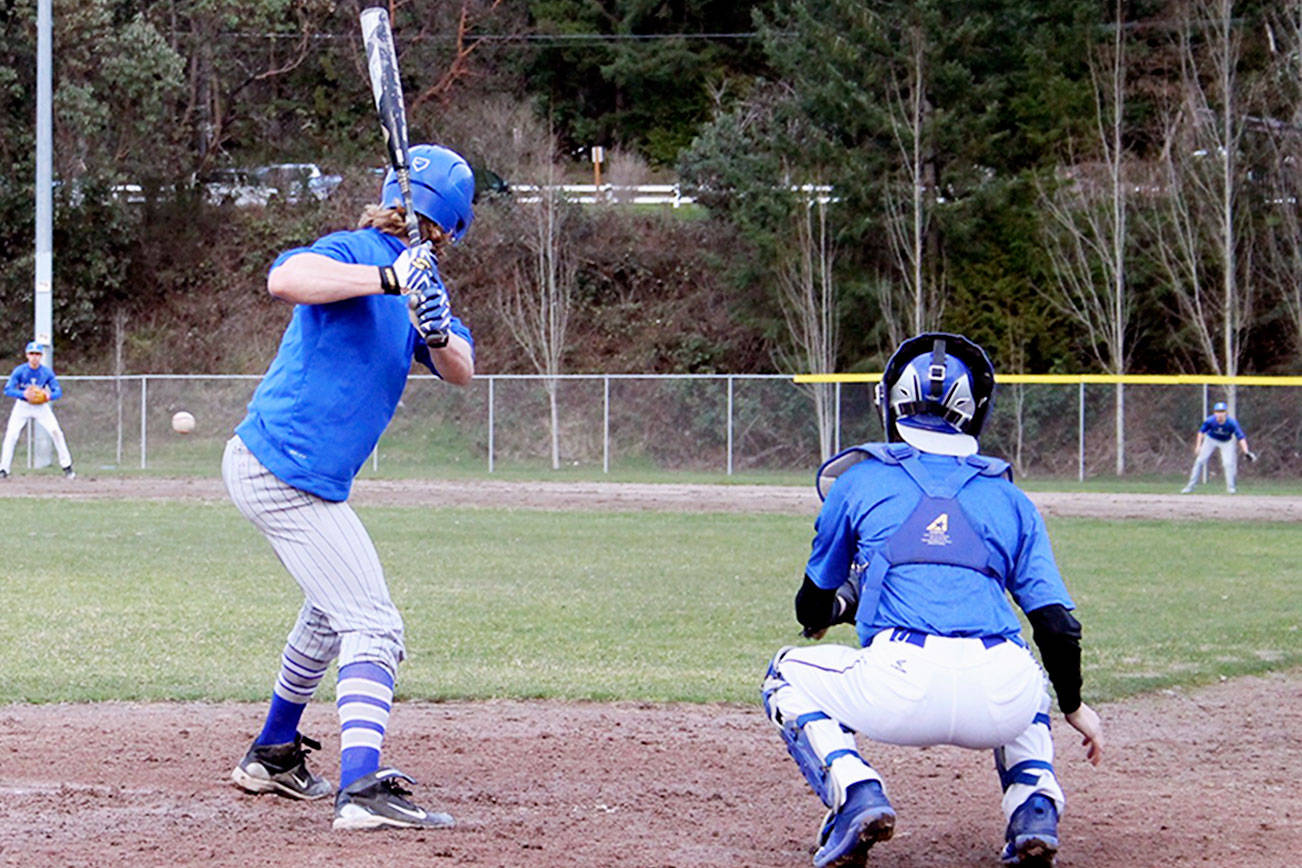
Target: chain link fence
[725,424]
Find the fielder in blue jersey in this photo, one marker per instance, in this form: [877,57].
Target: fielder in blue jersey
[34,387]
[366,305]
[920,543]
[1220,432]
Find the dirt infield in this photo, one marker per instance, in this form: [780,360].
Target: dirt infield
[787,500]
[1190,777]
[1205,777]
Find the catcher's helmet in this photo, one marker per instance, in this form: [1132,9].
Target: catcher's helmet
[442,188]
[936,392]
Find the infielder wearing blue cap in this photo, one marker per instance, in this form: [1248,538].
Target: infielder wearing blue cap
[366,305]
[1219,432]
[34,388]
[920,542]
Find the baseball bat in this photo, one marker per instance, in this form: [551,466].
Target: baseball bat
[386,86]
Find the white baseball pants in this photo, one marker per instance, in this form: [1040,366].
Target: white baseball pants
[946,691]
[347,611]
[1229,460]
[44,417]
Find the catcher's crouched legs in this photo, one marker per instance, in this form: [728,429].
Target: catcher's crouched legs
[859,813]
[1033,800]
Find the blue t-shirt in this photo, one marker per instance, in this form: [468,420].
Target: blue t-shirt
[1221,431]
[25,375]
[337,377]
[872,499]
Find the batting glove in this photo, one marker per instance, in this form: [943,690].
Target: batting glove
[431,314]
[415,270]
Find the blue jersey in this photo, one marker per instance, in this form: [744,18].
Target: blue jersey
[872,500]
[337,377]
[1221,431]
[25,375]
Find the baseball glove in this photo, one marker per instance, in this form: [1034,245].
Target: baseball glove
[35,395]
[1252,456]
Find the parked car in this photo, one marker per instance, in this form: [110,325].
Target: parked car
[235,186]
[293,181]
[290,182]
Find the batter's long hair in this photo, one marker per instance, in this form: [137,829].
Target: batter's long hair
[394,222]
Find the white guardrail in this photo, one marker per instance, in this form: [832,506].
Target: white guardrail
[639,194]
[592,194]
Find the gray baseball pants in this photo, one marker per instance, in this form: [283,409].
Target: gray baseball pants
[1229,450]
[347,612]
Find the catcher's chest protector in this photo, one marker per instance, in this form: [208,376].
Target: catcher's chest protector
[938,531]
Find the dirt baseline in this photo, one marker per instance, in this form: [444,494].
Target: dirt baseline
[1202,777]
[621,496]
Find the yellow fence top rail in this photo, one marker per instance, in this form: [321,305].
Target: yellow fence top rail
[1127,379]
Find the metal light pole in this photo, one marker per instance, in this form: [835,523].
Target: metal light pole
[43,330]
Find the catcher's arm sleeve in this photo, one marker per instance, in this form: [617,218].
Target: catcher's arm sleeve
[815,607]
[819,608]
[1057,635]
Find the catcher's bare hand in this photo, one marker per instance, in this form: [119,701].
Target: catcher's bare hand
[1085,720]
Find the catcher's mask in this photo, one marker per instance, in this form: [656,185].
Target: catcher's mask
[936,392]
[442,188]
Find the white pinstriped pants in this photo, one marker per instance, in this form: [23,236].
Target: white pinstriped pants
[347,612]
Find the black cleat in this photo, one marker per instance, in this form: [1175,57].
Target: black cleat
[281,768]
[378,801]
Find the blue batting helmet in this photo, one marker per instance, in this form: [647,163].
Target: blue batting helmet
[442,188]
[35,347]
[936,392]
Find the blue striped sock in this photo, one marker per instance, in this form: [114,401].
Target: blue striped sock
[282,722]
[364,700]
[298,678]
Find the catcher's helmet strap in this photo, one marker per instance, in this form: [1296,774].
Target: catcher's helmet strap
[936,371]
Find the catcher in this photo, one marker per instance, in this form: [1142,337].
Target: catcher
[919,543]
[34,386]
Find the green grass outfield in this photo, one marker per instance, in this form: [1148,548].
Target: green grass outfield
[154,601]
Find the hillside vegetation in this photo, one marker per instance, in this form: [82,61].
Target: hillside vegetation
[1077,185]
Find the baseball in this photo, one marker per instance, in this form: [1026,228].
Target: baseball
[182,423]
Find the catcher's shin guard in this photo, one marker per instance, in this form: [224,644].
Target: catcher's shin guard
[812,764]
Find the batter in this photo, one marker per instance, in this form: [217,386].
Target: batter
[918,543]
[313,421]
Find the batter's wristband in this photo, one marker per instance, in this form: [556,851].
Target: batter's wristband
[389,280]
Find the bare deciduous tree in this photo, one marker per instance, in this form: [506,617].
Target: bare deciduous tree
[1086,235]
[910,197]
[1200,241]
[808,293]
[1283,240]
[536,299]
